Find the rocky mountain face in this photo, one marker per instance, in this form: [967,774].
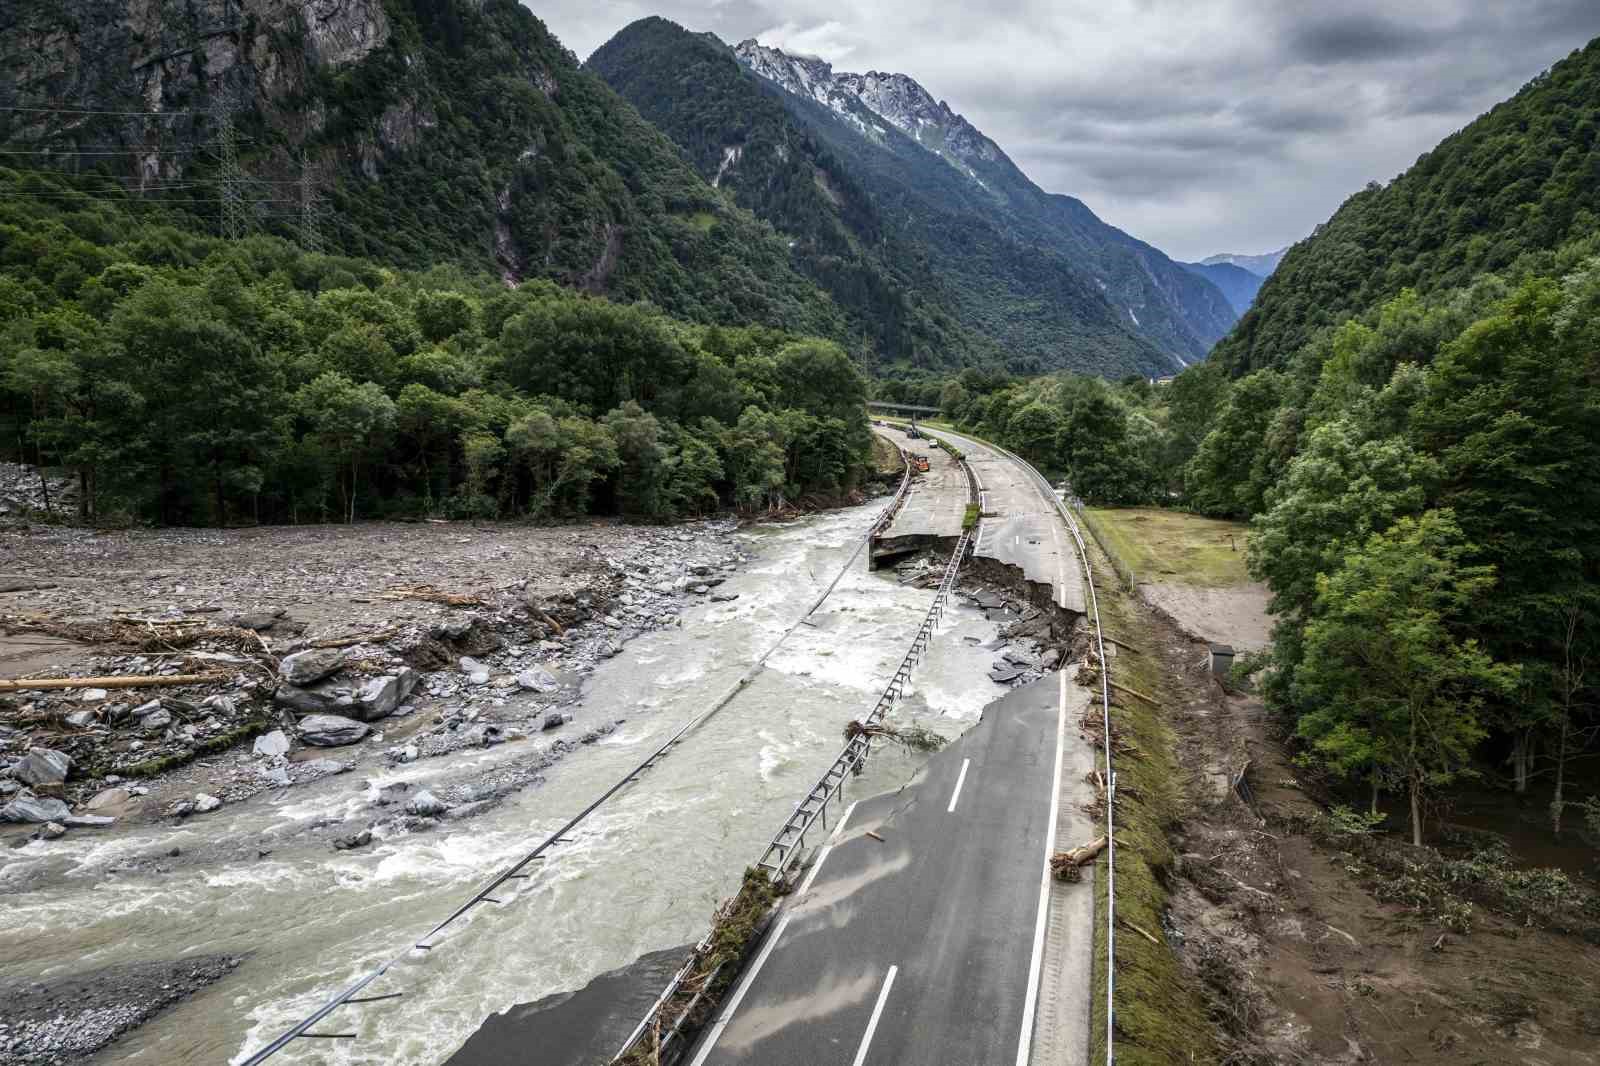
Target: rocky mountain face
[864,99]
[1176,310]
[424,130]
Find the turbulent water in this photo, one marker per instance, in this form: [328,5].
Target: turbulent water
[642,874]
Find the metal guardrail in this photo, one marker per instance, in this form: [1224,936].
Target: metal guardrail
[515,872]
[786,848]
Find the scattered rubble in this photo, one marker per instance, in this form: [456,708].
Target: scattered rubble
[251,645]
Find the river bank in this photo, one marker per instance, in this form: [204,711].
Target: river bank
[261,875]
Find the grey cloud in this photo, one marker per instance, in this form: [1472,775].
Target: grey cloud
[1354,37]
[1197,125]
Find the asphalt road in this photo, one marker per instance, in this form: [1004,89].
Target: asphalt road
[1021,528]
[923,947]
[937,503]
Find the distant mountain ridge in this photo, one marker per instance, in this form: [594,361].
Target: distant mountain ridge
[1260,265]
[1237,284]
[1157,298]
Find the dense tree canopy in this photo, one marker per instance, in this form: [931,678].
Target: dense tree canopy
[185,379]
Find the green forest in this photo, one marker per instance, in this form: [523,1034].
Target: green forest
[184,379]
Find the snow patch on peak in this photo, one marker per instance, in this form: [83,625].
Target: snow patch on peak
[897,98]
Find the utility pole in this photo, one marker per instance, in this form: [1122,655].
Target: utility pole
[230,177]
[310,209]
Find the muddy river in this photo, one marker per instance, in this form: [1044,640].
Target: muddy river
[642,874]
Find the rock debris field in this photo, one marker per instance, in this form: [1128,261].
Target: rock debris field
[313,649]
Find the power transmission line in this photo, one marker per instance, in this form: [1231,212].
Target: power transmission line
[235,218]
[310,210]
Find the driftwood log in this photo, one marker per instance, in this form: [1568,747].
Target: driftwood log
[133,681]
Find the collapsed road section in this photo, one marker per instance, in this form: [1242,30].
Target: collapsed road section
[933,516]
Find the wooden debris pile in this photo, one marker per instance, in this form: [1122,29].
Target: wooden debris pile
[1068,865]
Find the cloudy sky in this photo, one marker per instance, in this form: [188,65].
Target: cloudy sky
[1199,125]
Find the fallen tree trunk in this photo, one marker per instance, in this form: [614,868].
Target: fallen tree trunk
[132,681]
[1065,864]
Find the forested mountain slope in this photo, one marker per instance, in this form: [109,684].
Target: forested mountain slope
[912,210]
[739,137]
[431,130]
[1154,296]
[1524,177]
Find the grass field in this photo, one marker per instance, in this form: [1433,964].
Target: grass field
[1170,546]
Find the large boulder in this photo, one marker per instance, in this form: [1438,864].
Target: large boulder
[379,697]
[537,679]
[367,700]
[109,799]
[427,805]
[331,730]
[42,767]
[273,743]
[312,665]
[37,810]
[324,697]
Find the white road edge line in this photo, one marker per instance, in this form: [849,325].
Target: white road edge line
[877,1012]
[1031,1003]
[715,1032]
[961,779]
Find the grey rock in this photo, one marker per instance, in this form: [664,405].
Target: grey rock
[409,753]
[277,777]
[425,804]
[609,650]
[258,620]
[485,736]
[354,840]
[456,628]
[147,708]
[550,647]
[538,679]
[93,695]
[554,720]
[156,721]
[88,821]
[700,590]
[1050,658]
[469,666]
[273,743]
[44,767]
[28,808]
[326,697]
[379,697]
[316,768]
[331,730]
[467,810]
[205,804]
[181,809]
[724,597]
[309,666]
[53,831]
[613,622]
[108,797]
[81,719]
[1003,672]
